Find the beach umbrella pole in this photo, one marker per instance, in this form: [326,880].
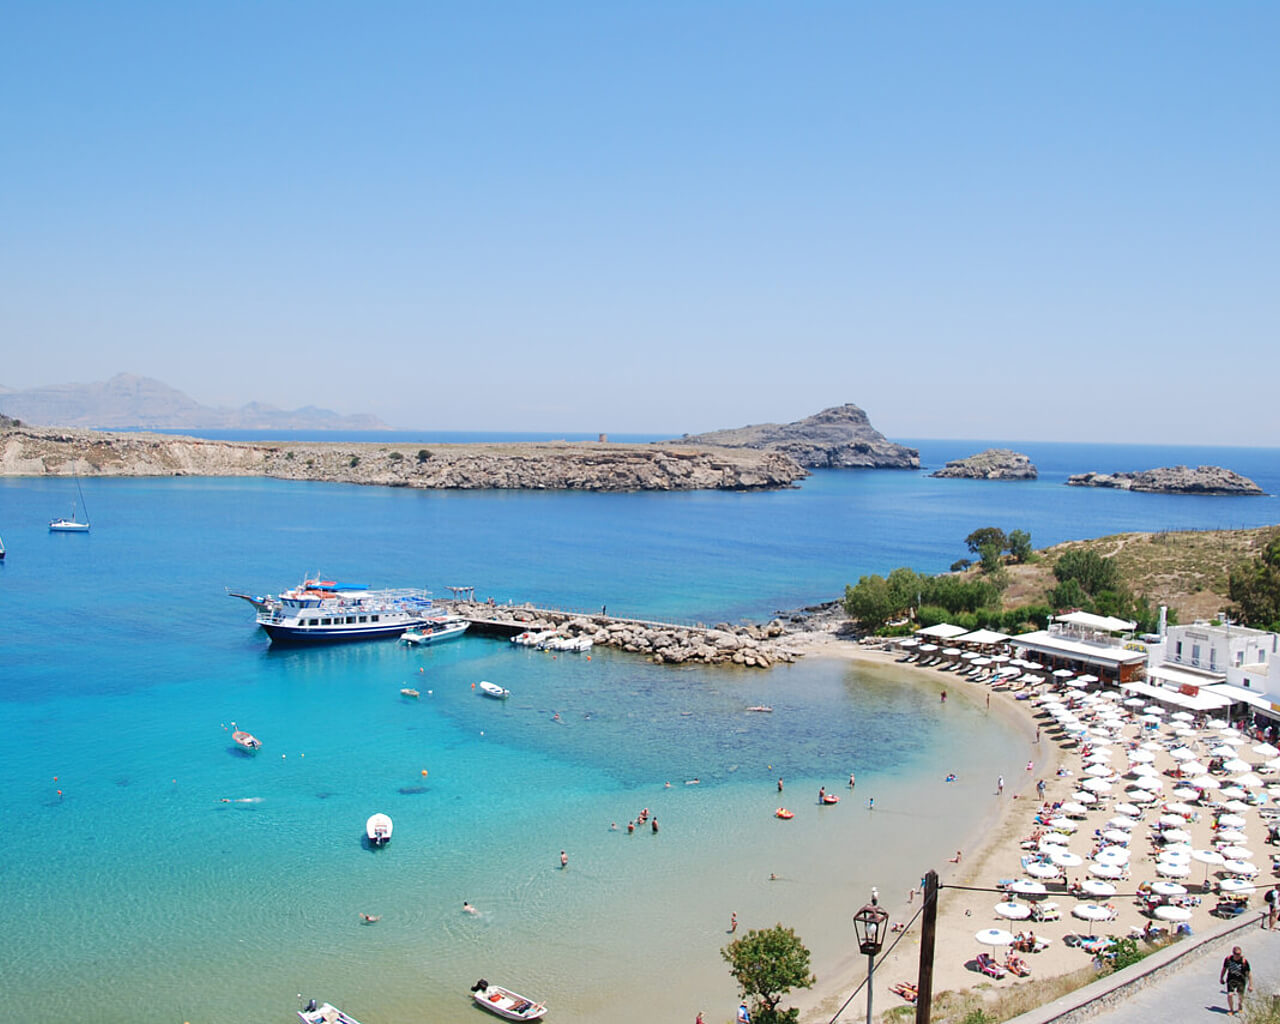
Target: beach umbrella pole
[928,929]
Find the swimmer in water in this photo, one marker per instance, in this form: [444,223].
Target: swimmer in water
[468,908]
[370,918]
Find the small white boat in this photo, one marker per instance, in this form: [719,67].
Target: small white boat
[409,691]
[760,707]
[72,525]
[247,741]
[325,1014]
[378,829]
[505,1003]
[1,549]
[494,690]
[434,631]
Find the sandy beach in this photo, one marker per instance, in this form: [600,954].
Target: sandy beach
[991,854]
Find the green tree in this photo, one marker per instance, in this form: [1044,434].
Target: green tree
[870,602]
[767,964]
[1255,589]
[1019,545]
[979,539]
[990,557]
[1093,572]
[905,586]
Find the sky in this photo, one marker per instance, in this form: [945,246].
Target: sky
[980,220]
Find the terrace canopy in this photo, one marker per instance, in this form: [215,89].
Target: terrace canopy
[1106,623]
[1201,701]
[942,631]
[983,638]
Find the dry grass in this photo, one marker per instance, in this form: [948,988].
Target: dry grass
[984,1003]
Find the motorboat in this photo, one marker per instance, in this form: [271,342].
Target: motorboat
[505,1003]
[528,639]
[325,1013]
[444,627]
[247,741]
[378,829]
[1,549]
[325,611]
[494,690]
[760,707]
[409,691]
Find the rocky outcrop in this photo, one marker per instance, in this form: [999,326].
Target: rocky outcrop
[752,646]
[127,400]
[26,451]
[838,438]
[1172,480]
[993,464]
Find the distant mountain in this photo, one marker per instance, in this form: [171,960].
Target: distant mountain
[837,438]
[127,401]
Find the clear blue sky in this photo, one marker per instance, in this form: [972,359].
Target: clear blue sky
[1020,220]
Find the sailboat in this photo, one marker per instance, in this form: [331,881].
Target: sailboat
[72,525]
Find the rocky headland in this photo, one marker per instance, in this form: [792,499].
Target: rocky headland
[838,438]
[30,451]
[992,464]
[753,646]
[1171,480]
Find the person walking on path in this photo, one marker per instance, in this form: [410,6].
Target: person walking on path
[1236,975]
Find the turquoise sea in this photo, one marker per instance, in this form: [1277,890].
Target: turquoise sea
[177,879]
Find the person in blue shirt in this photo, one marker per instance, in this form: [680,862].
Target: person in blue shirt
[744,1017]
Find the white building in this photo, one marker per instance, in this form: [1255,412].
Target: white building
[1233,661]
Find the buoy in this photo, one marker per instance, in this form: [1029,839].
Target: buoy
[588,657]
[473,686]
[55,778]
[283,756]
[424,773]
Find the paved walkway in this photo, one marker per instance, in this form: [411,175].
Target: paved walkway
[1189,992]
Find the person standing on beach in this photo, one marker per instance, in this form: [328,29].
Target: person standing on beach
[999,785]
[564,859]
[779,785]
[852,780]
[733,922]
[871,803]
[1236,975]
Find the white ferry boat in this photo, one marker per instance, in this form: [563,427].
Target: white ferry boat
[323,611]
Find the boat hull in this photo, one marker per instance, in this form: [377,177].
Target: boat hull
[508,1005]
[422,636]
[68,526]
[284,633]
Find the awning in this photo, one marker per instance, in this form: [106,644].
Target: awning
[1177,676]
[1202,701]
[942,631]
[983,637]
[1104,622]
[1238,695]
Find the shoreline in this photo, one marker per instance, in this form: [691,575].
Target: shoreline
[984,844]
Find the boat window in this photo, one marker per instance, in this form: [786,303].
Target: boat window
[351,618]
[373,618]
[326,622]
[364,618]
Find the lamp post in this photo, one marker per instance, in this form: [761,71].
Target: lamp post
[869,923]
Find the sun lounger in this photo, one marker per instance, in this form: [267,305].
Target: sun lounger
[989,967]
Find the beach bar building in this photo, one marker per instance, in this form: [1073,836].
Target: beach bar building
[1086,644]
[1219,663]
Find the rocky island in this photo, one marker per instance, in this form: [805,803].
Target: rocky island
[32,451]
[992,464]
[838,438]
[1171,480]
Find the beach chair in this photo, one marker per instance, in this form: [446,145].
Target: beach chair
[1045,912]
[989,967]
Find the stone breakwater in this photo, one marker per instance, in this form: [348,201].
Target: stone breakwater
[752,646]
[27,451]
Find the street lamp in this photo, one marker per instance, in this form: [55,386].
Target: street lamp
[869,923]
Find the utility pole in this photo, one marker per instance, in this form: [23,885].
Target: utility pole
[928,929]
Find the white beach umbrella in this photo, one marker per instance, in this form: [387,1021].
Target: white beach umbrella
[1249,779]
[1134,702]
[1176,851]
[1145,797]
[1206,782]
[1231,738]
[1122,823]
[1150,719]
[951,652]
[1210,857]
[1186,732]
[1013,910]
[1064,824]
[1236,806]
[1172,820]
[1183,716]
[1128,810]
[1193,768]
[1217,723]
[1182,754]
[1143,771]
[1088,679]
[1116,855]
[1073,809]
[1092,912]
[1141,756]
[1099,771]
[1177,835]
[1097,887]
[1234,792]
[1236,852]
[1077,684]
[1178,807]
[1266,750]
[1065,858]
[1230,836]
[1240,867]
[1155,709]
[1173,913]
[1230,821]
[1097,757]
[1063,673]
[1038,869]
[1106,870]
[928,648]
[1149,782]
[1116,835]
[1168,889]
[1101,743]
[1172,869]
[1239,886]
[969,655]
[1234,764]
[1026,887]
[1052,841]
[994,937]
[1087,796]
[1186,793]
[1095,786]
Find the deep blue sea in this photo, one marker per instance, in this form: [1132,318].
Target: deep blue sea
[176,879]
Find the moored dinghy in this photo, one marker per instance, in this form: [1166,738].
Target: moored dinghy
[494,690]
[246,741]
[378,829]
[505,1003]
[325,1014]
